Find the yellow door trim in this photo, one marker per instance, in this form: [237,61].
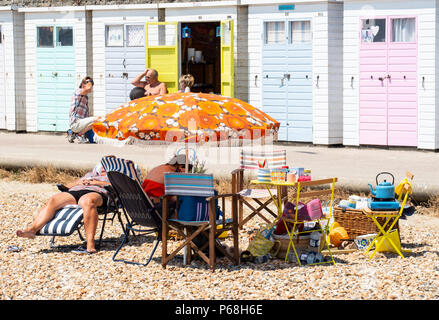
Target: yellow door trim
[227,58]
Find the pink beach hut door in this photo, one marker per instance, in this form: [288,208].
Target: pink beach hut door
[388,85]
[373,87]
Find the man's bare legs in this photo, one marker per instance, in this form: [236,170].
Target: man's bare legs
[46,214]
[89,203]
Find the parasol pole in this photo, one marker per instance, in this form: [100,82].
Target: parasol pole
[186,166]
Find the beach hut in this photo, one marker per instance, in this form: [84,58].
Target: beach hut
[57,57]
[295,53]
[118,51]
[174,38]
[390,71]
[12,103]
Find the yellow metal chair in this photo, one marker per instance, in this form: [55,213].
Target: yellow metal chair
[322,189]
[392,217]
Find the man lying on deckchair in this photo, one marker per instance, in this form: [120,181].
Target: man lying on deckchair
[89,192]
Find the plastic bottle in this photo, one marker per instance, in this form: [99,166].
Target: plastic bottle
[303,258]
[315,239]
[311,257]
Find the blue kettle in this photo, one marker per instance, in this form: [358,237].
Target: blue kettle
[383,190]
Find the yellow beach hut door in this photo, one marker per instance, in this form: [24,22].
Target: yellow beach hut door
[227,72]
[161,47]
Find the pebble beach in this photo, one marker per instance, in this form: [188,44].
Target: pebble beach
[37,272]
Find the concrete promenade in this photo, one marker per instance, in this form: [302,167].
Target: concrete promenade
[354,167]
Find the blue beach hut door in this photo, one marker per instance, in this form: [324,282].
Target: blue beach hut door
[287,77]
[55,57]
[2,83]
[124,60]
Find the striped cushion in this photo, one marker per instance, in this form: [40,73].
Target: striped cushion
[189,184]
[127,167]
[64,223]
[274,159]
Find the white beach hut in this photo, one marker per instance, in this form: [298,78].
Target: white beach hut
[210,44]
[390,73]
[118,51]
[199,38]
[12,102]
[295,52]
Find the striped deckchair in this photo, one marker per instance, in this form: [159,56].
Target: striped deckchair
[198,185]
[126,181]
[65,221]
[249,160]
[193,184]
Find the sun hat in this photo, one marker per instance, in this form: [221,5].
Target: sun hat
[178,159]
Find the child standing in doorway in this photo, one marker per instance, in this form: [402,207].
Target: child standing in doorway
[186,81]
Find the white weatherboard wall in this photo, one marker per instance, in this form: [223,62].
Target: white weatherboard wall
[72,16]
[426,12]
[7,81]
[216,11]
[326,26]
[103,15]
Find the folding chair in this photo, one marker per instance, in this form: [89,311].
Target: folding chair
[250,161]
[388,220]
[70,219]
[135,202]
[323,222]
[199,185]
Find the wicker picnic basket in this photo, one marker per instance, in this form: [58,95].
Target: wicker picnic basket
[356,222]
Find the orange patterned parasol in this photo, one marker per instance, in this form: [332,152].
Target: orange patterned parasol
[197,117]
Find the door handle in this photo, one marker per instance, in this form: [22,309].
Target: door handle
[54,74]
[124,64]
